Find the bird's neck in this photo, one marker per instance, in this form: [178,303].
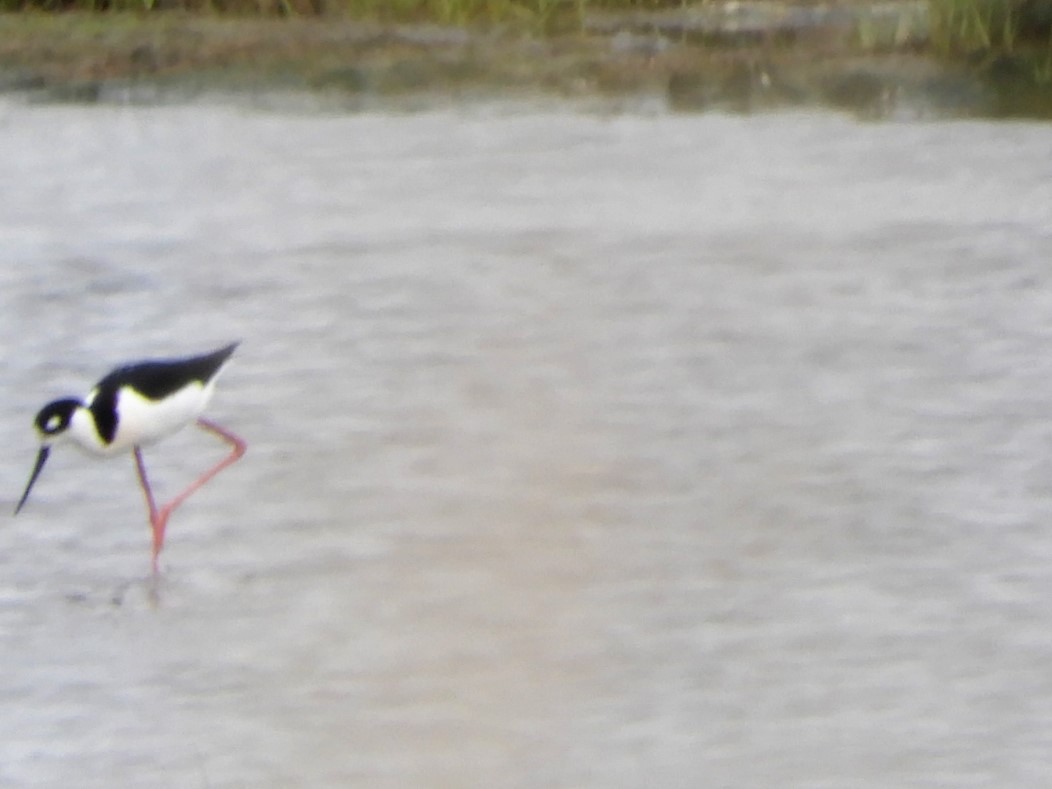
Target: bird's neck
[85,433]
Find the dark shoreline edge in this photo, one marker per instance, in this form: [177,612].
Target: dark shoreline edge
[867,60]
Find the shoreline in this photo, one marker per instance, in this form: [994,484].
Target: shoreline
[870,60]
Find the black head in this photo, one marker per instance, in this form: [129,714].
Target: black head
[54,418]
[52,421]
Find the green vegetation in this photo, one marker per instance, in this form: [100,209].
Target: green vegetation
[455,12]
[999,50]
[987,25]
[1010,41]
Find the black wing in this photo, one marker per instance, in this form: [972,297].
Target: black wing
[155,380]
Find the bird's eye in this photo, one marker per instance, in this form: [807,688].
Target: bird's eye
[53,423]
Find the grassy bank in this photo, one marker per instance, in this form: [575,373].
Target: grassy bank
[455,12]
[1003,25]
[1008,42]
[984,56]
[956,26]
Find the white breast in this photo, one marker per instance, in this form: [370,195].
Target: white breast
[141,420]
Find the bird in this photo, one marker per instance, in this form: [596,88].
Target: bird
[136,405]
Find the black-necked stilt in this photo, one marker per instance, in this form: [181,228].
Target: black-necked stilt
[133,406]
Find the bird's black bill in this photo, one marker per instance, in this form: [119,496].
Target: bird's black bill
[41,460]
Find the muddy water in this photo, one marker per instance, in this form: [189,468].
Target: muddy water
[585,451]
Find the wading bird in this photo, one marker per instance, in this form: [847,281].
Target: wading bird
[134,406]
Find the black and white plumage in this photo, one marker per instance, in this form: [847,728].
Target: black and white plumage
[134,406]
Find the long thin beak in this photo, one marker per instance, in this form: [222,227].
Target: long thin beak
[41,460]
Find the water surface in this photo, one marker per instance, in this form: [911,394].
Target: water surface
[584,450]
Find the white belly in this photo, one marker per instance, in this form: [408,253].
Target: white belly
[142,421]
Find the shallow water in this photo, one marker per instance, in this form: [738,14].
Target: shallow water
[584,450]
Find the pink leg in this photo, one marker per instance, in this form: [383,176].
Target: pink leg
[157,528]
[159,518]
